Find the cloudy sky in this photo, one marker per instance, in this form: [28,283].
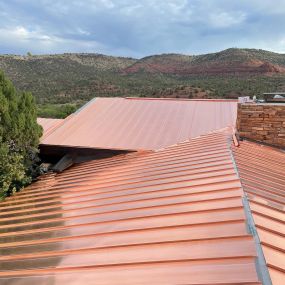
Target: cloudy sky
[140,27]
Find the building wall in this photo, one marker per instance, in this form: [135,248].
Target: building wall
[262,122]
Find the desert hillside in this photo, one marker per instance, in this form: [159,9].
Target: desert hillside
[60,79]
[230,61]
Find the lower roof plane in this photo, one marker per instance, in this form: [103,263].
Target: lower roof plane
[172,216]
[262,173]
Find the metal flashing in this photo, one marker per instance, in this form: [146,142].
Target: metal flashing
[261,265]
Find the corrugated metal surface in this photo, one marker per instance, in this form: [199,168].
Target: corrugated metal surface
[125,123]
[262,172]
[49,125]
[174,216]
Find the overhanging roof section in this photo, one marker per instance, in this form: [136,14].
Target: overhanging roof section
[262,172]
[141,124]
[174,216]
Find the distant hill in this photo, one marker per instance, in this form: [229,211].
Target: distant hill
[51,78]
[76,78]
[227,62]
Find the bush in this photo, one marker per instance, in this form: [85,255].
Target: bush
[19,138]
[59,111]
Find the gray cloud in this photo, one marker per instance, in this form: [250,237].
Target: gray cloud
[138,28]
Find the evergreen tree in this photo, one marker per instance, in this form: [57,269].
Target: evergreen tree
[19,138]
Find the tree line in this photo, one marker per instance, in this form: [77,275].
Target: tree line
[19,138]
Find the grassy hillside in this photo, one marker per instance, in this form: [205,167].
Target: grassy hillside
[61,83]
[51,78]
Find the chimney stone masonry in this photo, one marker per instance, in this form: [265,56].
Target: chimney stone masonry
[262,122]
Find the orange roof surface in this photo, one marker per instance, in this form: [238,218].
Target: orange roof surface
[48,125]
[135,123]
[174,216]
[262,172]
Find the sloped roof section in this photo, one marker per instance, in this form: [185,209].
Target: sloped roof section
[49,125]
[262,172]
[174,216]
[145,124]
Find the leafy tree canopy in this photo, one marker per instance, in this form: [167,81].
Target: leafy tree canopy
[19,138]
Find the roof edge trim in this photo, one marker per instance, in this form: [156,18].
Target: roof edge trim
[178,99]
[261,266]
[84,106]
[99,148]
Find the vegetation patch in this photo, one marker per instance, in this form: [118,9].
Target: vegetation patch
[63,82]
[19,138]
[58,111]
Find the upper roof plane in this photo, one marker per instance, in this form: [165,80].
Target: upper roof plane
[141,123]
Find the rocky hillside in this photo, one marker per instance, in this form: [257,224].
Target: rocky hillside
[227,62]
[76,78]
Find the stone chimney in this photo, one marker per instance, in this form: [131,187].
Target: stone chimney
[262,122]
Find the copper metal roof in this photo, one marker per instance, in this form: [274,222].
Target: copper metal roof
[134,123]
[173,216]
[49,125]
[262,172]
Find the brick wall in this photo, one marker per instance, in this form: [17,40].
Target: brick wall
[262,122]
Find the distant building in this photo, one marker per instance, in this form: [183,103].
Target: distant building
[274,97]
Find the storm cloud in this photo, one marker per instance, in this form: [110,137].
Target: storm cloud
[140,28]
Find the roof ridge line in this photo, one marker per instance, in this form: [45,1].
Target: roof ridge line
[218,131]
[178,99]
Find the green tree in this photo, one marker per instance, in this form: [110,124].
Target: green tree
[19,138]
